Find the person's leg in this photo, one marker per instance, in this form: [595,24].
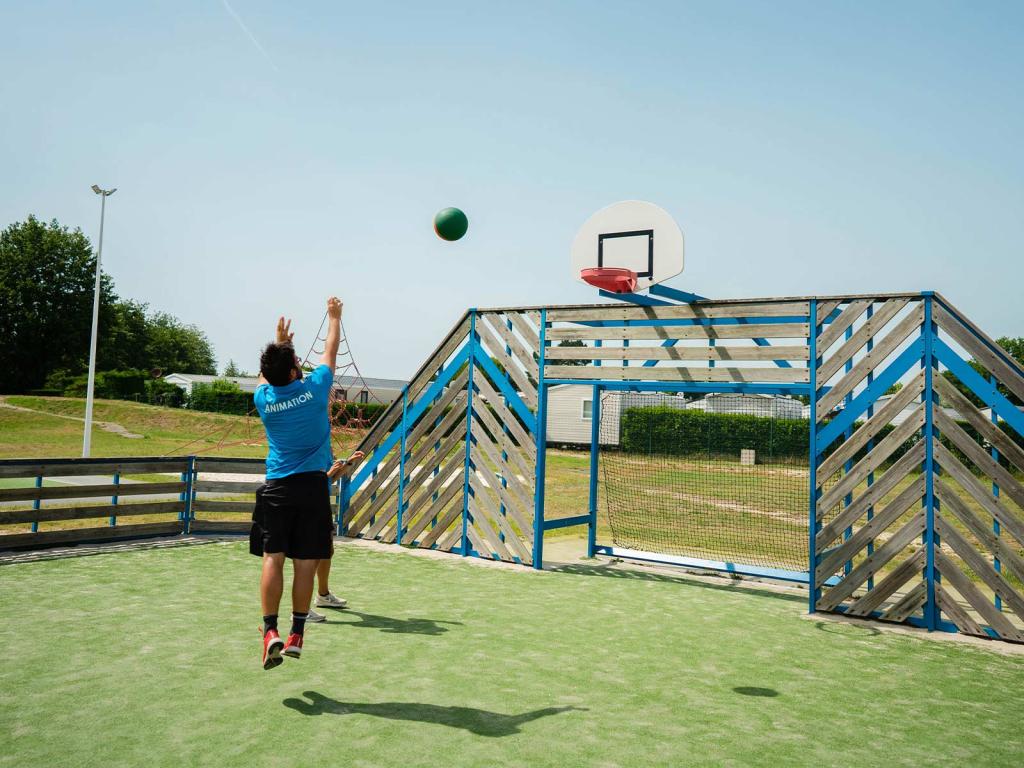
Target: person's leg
[323,575]
[302,584]
[272,582]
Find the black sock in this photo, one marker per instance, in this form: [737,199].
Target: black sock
[269,622]
[298,623]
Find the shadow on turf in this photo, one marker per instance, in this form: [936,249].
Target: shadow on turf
[393,626]
[730,585]
[750,690]
[482,722]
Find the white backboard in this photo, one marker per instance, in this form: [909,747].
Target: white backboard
[633,235]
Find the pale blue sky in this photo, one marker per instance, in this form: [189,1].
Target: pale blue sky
[805,148]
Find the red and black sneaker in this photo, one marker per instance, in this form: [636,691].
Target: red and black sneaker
[272,645]
[293,647]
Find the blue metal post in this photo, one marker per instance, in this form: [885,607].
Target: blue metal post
[344,496]
[996,562]
[870,447]
[466,490]
[848,499]
[931,614]
[190,495]
[113,499]
[542,441]
[812,559]
[36,503]
[401,465]
[595,450]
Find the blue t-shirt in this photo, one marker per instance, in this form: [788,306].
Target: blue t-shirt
[297,423]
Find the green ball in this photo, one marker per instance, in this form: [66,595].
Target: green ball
[450,224]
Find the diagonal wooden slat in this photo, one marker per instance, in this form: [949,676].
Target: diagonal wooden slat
[497,402]
[480,520]
[826,308]
[949,606]
[496,324]
[480,545]
[514,504]
[1007,520]
[838,327]
[452,536]
[856,342]
[515,453]
[978,563]
[526,389]
[870,565]
[903,330]
[849,448]
[526,329]
[488,507]
[1008,376]
[1008,484]
[426,460]
[878,455]
[907,463]
[958,580]
[1002,441]
[452,492]
[998,546]
[893,580]
[448,475]
[910,604]
[871,529]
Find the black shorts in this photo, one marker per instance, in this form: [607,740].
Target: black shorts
[293,515]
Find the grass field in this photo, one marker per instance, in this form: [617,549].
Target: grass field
[151,658]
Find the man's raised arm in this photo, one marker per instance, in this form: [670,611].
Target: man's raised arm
[330,355]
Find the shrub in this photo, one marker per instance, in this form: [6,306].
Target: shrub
[221,396]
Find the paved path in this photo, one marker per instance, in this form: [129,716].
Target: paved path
[106,426]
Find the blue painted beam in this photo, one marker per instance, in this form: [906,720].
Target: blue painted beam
[484,361]
[989,394]
[566,522]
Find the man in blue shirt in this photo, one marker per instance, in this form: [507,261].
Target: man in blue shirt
[297,518]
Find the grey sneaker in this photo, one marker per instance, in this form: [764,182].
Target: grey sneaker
[330,601]
[314,617]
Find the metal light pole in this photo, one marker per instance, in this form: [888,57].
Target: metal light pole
[87,438]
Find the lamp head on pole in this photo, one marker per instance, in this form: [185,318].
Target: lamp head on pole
[104,192]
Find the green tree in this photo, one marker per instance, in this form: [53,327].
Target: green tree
[47,278]
[178,348]
[572,343]
[125,333]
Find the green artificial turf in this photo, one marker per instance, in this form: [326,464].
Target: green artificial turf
[151,658]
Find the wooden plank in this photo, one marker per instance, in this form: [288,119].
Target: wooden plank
[1002,441]
[826,308]
[205,505]
[527,390]
[443,520]
[522,462]
[80,535]
[870,428]
[523,489]
[240,466]
[1010,377]
[682,332]
[1007,520]
[871,327]
[1008,484]
[956,579]
[693,373]
[89,491]
[513,505]
[226,486]
[477,542]
[718,354]
[878,455]
[426,460]
[480,522]
[983,569]
[963,621]
[513,541]
[509,419]
[837,327]
[695,311]
[21,468]
[846,297]
[869,362]
[873,563]
[998,546]
[851,513]
[220,526]
[526,329]
[910,604]
[895,579]
[496,323]
[419,501]
[451,539]
[868,532]
[50,514]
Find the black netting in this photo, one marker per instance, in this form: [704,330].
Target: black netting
[717,477]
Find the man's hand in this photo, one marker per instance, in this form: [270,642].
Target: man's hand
[334,306]
[284,336]
[343,468]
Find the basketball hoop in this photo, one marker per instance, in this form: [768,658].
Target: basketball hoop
[613,279]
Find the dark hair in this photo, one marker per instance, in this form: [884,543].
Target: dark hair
[277,363]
